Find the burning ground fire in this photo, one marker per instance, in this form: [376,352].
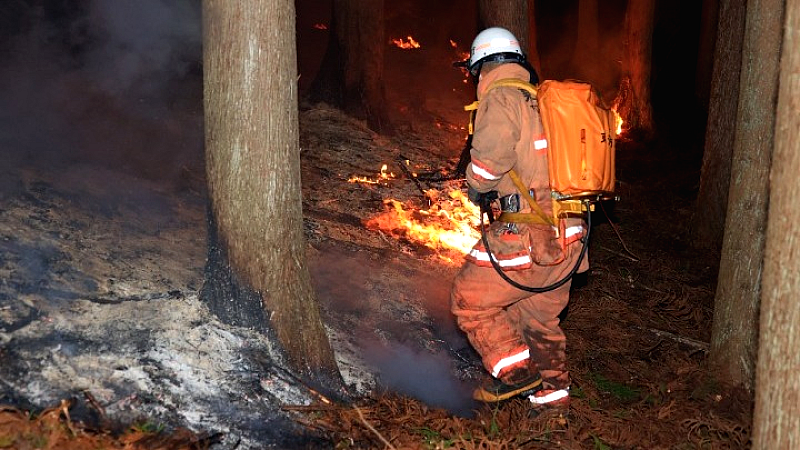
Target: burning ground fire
[383,176]
[409,44]
[450,224]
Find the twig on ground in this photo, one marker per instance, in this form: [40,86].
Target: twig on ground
[95,404]
[683,340]
[402,164]
[371,428]
[619,236]
[618,253]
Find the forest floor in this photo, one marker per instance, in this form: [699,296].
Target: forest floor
[98,308]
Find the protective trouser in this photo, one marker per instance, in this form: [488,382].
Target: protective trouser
[510,327]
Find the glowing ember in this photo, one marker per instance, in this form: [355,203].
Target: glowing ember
[449,224]
[461,54]
[320,26]
[406,45]
[384,176]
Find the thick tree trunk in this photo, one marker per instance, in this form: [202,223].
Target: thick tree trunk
[776,420]
[705,51]
[633,102]
[509,14]
[533,40]
[734,338]
[586,58]
[256,249]
[351,73]
[715,176]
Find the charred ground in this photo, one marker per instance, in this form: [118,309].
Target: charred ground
[637,325]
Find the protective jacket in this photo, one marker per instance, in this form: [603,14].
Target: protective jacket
[507,326]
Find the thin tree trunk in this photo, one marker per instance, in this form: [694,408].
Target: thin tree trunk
[256,267]
[734,333]
[776,420]
[715,176]
[633,102]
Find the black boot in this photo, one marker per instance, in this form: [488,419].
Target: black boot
[519,381]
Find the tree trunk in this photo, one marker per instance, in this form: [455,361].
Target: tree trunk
[533,40]
[586,58]
[734,333]
[509,14]
[705,51]
[715,176]
[776,420]
[633,102]
[351,73]
[256,273]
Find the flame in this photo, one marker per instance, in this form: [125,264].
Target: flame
[619,121]
[461,54]
[448,225]
[384,175]
[406,45]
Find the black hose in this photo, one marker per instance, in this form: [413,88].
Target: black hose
[551,287]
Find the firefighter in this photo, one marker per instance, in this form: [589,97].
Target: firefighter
[515,331]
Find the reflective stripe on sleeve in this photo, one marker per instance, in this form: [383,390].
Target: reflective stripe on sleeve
[540,144]
[483,173]
[509,360]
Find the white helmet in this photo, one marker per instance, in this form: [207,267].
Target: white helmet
[493,44]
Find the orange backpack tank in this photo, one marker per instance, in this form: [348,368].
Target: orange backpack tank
[581,142]
[581,139]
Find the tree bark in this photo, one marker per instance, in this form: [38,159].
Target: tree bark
[256,273]
[533,40]
[734,333]
[715,177]
[633,101]
[585,59]
[351,72]
[776,420]
[705,53]
[509,14]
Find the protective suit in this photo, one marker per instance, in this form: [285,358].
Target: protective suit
[516,332]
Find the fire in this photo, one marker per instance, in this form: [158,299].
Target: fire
[383,176]
[450,224]
[406,45]
[461,54]
[320,26]
[619,121]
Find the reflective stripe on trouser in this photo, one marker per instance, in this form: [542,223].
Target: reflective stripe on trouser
[550,397]
[499,319]
[538,317]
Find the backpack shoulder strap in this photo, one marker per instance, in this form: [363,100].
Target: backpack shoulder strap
[516,83]
[507,82]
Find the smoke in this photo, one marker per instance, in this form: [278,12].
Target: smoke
[422,375]
[398,316]
[142,45]
[108,82]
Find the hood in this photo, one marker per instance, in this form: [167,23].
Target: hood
[501,72]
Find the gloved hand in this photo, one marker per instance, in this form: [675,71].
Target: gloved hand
[482,199]
[473,195]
